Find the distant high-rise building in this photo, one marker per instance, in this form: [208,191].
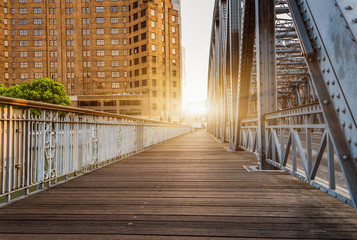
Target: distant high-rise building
[176,4]
[114,48]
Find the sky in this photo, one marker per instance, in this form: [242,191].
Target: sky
[196,36]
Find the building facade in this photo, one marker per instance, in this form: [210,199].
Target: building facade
[96,47]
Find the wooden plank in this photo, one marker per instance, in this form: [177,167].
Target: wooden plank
[186,188]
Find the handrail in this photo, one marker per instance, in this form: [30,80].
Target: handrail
[54,107]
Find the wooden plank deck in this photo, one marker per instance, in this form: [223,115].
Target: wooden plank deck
[187,188]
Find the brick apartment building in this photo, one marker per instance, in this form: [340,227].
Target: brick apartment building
[126,50]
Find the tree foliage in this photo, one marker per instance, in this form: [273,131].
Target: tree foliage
[41,90]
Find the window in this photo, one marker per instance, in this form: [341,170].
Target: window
[173,29]
[115,52]
[115,63]
[153,47]
[114,20]
[153,24]
[23,32]
[173,18]
[38,54]
[135,16]
[23,43]
[24,65]
[143,24]
[99,20]
[100,42]
[22,11]
[38,64]
[135,4]
[101,74]
[100,64]
[22,21]
[24,54]
[115,85]
[153,36]
[37,10]
[152,12]
[100,53]
[100,31]
[143,13]
[114,30]
[99,9]
[114,41]
[24,75]
[115,74]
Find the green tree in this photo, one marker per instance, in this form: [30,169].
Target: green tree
[41,90]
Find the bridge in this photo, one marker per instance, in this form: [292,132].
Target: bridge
[279,159]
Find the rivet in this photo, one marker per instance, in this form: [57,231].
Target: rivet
[316,35]
[349,140]
[319,47]
[319,59]
[333,82]
[345,157]
[338,96]
[328,82]
[338,109]
[323,70]
[348,7]
[354,20]
[332,95]
[328,70]
[326,102]
[350,126]
[343,123]
[324,58]
[344,110]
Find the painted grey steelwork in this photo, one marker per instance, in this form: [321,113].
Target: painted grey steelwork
[282,84]
[38,151]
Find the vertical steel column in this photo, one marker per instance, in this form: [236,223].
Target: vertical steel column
[266,71]
[247,25]
[233,38]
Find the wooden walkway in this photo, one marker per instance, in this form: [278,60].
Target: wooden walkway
[188,188]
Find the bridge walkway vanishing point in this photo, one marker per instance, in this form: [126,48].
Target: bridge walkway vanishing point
[186,188]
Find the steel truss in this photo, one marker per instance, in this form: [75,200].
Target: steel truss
[282,84]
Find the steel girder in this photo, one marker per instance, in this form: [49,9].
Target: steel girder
[268,57]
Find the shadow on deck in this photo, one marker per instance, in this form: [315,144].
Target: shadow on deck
[186,188]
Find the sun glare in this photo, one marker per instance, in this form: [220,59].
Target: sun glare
[197,108]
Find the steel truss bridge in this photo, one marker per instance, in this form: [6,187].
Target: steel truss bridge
[282,85]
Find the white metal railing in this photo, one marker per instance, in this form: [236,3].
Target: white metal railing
[298,142]
[37,152]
